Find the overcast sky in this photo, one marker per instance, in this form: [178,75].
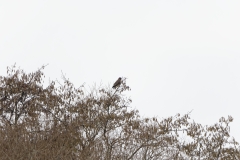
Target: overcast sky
[178,55]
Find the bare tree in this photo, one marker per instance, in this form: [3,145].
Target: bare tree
[60,121]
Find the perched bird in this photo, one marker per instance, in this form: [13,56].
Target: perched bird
[117,83]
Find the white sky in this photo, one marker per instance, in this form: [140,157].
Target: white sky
[178,56]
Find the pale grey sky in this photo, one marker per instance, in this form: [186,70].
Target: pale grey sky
[178,55]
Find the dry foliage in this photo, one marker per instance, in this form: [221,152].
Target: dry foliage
[63,122]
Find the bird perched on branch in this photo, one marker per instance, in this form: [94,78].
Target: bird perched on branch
[117,83]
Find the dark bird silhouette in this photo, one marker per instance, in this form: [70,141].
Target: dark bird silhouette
[117,83]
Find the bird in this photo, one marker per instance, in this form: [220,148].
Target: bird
[117,83]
